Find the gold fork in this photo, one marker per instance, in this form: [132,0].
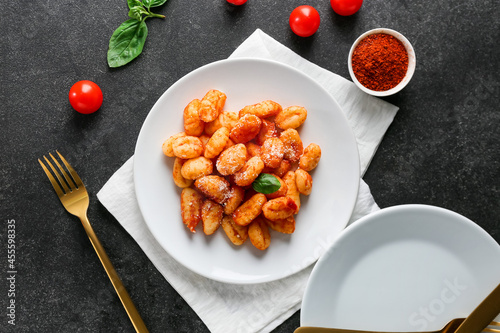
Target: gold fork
[75,199]
[449,328]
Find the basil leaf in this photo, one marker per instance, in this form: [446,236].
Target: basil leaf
[154,3]
[133,3]
[136,12]
[127,42]
[266,183]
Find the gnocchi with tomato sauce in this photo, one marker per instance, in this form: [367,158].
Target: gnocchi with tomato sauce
[220,157]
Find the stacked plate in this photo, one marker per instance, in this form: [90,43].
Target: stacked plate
[404,268]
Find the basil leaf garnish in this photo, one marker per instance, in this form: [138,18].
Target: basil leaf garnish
[127,42]
[154,3]
[266,183]
[136,12]
[147,3]
[133,3]
[128,39]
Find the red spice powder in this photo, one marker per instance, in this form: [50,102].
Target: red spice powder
[380,62]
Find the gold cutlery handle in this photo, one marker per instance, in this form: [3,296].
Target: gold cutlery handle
[450,327]
[129,306]
[483,314]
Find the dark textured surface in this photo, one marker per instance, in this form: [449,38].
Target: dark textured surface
[442,148]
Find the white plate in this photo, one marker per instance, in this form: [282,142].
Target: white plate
[404,268]
[323,214]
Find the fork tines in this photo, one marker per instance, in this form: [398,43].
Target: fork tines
[68,183]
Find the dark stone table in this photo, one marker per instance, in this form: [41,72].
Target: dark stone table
[442,148]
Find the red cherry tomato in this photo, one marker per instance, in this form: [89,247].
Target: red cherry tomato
[346,7]
[304,20]
[85,97]
[237,2]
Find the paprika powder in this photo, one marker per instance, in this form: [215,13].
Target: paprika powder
[380,62]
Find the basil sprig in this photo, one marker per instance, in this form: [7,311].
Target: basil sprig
[128,39]
[266,184]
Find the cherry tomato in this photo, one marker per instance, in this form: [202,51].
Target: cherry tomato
[304,20]
[237,2]
[346,7]
[85,97]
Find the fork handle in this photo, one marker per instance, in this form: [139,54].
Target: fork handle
[129,306]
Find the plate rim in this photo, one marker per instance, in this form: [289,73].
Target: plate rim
[186,77]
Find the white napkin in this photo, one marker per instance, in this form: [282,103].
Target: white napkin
[262,307]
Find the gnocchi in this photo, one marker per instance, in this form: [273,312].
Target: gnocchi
[267,130]
[193,125]
[196,167]
[213,187]
[272,152]
[253,149]
[187,147]
[259,235]
[249,210]
[167,144]
[292,143]
[228,119]
[291,117]
[263,109]
[246,128]
[279,208]
[217,143]
[283,168]
[310,159]
[232,159]
[211,105]
[211,216]
[191,202]
[285,226]
[236,233]
[304,181]
[291,189]
[179,179]
[249,172]
[219,157]
[236,196]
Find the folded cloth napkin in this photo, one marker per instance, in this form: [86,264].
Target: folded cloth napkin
[261,307]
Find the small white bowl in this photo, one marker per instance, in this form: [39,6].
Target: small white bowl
[411,62]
